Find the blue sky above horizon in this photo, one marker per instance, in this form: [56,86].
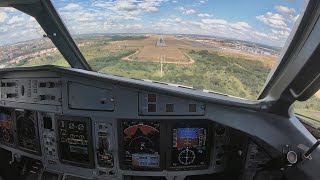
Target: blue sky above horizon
[264,21]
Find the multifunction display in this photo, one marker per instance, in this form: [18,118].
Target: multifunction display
[75,141]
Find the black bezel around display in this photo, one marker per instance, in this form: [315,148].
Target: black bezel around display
[189,124]
[87,120]
[162,146]
[9,112]
[35,121]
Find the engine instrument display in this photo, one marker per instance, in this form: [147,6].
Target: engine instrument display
[141,141]
[189,147]
[75,141]
[6,127]
[27,130]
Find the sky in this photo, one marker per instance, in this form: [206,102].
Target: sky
[262,21]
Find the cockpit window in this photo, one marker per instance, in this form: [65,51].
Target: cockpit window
[223,46]
[22,42]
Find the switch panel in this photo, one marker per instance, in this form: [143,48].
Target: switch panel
[156,104]
[32,90]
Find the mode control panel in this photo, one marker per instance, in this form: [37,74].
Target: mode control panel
[32,90]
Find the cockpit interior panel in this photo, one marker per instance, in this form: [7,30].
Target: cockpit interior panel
[72,129]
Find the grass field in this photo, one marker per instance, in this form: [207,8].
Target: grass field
[314,116]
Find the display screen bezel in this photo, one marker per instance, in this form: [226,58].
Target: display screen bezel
[189,124]
[87,120]
[35,119]
[10,113]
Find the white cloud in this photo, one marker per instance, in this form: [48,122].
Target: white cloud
[260,34]
[190,11]
[126,6]
[284,9]
[180,8]
[72,6]
[214,21]
[280,34]
[103,4]
[8,9]
[294,18]
[204,15]
[186,11]
[132,16]
[273,20]
[149,6]
[15,19]
[3,29]
[3,16]
[240,26]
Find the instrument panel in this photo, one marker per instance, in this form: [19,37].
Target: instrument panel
[90,130]
[145,145]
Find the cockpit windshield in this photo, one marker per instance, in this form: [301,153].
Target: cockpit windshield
[223,46]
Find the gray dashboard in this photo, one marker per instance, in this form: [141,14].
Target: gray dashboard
[103,104]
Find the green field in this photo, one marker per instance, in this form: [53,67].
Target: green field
[314,116]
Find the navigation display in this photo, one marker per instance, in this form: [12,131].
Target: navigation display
[141,141]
